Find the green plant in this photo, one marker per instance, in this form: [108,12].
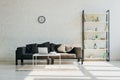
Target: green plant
[104,55]
[96,36]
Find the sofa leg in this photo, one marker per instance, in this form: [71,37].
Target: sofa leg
[52,61]
[16,62]
[82,61]
[48,61]
[78,59]
[22,61]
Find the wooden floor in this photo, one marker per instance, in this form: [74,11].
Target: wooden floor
[90,70]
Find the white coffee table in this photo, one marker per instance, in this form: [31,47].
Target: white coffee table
[35,60]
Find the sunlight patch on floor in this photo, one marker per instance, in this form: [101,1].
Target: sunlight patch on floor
[57,78]
[108,78]
[88,71]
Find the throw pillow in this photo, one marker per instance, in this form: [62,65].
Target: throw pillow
[42,50]
[72,51]
[61,48]
[31,48]
[68,48]
[53,47]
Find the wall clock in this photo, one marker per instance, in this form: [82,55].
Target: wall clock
[41,19]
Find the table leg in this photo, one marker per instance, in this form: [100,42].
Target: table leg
[48,60]
[60,59]
[33,62]
[36,60]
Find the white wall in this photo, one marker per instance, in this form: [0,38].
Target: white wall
[19,26]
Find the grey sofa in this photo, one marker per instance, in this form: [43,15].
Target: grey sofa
[26,53]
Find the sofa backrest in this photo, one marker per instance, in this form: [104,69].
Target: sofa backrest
[33,48]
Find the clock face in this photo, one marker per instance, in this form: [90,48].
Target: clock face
[41,19]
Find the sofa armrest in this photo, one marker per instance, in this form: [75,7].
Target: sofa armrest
[78,52]
[19,52]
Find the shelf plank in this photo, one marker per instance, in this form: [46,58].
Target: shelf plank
[95,40]
[93,22]
[95,49]
[95,14]
[95,31]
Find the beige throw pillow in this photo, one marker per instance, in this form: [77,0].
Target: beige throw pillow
[61,48]
[68,48]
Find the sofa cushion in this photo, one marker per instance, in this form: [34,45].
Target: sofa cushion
[31,48]
[61,48]
[46,44]
[64,56]
[68,56]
